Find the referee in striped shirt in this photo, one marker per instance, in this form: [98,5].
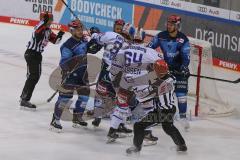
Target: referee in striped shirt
[41,35]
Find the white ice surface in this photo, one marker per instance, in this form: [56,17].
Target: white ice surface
[24,135]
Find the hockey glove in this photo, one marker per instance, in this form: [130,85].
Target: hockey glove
[94,30]
[60,34]
[93,47]
[185,71]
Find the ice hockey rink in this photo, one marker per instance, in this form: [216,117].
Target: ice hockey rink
[25,135]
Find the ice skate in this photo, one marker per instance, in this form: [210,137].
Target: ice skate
[26,105]
[78,121]
[96,122]
[181,148]
[133,151]
[123,131]
[55,125]
[112,135]
[149,139]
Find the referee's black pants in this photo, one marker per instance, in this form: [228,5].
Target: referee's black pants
[163,116]
[34,69]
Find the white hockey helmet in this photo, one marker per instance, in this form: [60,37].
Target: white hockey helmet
[128,31]
[139,35]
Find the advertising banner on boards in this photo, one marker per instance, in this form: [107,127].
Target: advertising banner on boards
[224,37]
[99,13]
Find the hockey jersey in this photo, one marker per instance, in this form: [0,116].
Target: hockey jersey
[74,59]
[41,36]
[112,43]
[134,62]
[176,50]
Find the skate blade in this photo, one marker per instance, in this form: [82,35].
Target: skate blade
[79,126]
[149,143]
[56,130]
[182,152]
[111,140]
[174,148]
[124,135]
[133,154]
[28,109]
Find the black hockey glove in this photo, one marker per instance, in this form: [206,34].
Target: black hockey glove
[60,34]
[185,71]
[93,47]
[94,30]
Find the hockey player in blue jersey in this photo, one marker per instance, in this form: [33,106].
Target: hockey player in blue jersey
[176,50]
[74,74]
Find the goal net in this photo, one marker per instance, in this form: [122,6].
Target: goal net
[203,94]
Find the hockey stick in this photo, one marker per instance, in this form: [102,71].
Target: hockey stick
[212,78]
[53,95]
[74,14]
[70,9]
[217,79]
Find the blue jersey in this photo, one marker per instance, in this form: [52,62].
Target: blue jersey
[176,50]
[71,49]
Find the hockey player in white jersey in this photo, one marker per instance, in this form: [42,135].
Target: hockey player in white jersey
[154,92]
[112,42]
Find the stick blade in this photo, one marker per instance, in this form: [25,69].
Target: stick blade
[237,81]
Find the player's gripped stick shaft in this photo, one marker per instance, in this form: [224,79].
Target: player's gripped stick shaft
[212,78]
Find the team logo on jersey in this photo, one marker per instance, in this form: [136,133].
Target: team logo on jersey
[180,40]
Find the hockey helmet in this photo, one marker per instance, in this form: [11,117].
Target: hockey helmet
[128,31]
[46,13]
[119,22]
[175,19]
[160,67]
[75,24]
[118,25]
